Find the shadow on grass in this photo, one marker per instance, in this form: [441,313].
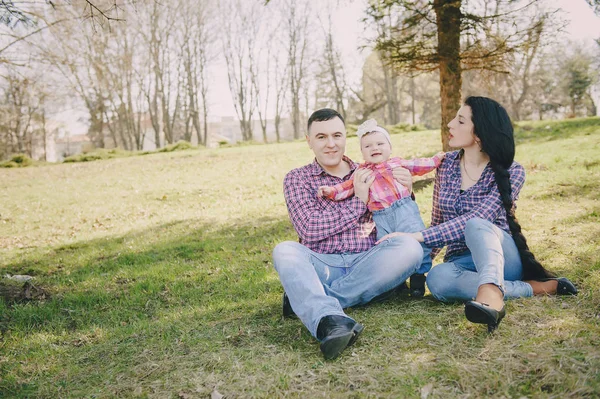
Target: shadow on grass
[420,185]
[116,280]
[187,299]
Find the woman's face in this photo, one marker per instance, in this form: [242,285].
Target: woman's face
[461,129]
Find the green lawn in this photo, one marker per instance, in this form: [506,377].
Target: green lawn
[153,278]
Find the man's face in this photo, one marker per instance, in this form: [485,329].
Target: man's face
[327,139]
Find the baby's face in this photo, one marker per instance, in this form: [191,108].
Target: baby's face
[375,147]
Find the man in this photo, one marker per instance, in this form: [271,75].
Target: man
[336,264]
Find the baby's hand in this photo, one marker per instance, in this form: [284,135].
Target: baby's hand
[324,191]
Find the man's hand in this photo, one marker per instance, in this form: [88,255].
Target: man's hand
[325,191]
[417,236]
[363,178]
[403,176]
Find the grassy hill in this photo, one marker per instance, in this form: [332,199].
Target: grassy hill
[153,278]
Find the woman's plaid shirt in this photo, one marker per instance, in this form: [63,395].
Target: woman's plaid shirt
[452,208]
[326,226]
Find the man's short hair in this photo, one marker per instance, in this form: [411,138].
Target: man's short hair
[324,114]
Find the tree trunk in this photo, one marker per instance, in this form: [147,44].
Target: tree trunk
[412,99]
[44,134]
[448,17]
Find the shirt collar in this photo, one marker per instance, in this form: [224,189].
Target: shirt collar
[454,155]
[316,169]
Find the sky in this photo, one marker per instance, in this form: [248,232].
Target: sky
[350,34]
[583,25]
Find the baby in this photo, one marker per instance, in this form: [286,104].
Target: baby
[393,208]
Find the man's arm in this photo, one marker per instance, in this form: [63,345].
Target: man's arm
[312,221]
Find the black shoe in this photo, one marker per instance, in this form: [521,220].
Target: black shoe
[482,313]
[565,286]
[417,285]
[336,333]
[288,312]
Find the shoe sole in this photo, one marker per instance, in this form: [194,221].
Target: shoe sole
[333,346]
[476,315]
[480,316]
[356,330]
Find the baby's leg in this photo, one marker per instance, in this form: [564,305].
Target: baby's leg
[407,219]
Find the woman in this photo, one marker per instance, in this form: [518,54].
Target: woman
[473,214]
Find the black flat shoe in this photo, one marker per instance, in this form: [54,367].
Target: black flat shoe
[482,313]
[336,333]
[417,285]
[565,286]
[288,312]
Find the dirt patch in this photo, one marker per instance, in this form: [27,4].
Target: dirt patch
[13,292]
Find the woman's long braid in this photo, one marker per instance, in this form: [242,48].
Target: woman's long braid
[495,131]
[532,269]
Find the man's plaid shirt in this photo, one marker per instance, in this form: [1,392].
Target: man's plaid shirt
[452,208]
[326,226]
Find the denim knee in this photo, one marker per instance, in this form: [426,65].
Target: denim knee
[474,225]
[285,250]
[409,248]
[409,245]
[440,282]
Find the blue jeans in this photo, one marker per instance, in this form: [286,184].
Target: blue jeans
[320,285]
[403,216]
[492,258]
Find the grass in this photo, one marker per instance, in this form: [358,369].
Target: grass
[155,279]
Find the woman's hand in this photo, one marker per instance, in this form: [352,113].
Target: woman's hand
[403,176]
[417,236]
[363,178]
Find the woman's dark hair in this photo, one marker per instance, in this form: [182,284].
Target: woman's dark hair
[494,129]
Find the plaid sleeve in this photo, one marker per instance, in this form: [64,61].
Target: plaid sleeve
[312,222]
[343,190]
[436,214]
[420,166]
[488,208]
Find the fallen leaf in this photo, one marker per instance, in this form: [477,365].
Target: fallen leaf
[215,395]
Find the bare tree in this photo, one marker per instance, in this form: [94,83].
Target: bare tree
[162,91]
[331,79]
[239,47]
[21,113]
[280,88]
[196,55]
[262,91]
[296,15]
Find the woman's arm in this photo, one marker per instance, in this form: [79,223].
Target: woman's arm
[489,208]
